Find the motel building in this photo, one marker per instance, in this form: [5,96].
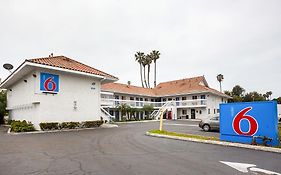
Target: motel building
[190,98]
[55,89]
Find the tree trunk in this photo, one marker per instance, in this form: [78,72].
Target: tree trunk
[144,77]
[141,75]
[148,75]
[154,73]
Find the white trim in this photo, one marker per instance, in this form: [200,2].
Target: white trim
[27,63]
[64,70]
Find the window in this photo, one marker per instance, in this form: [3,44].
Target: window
[209,111]
[132,98]
[123,98]
[200,112]
[145,99]
[164,99]
[152,100]
[218,110]
[194,97]
[169,99]
[203,96]
[183,98]
[214,111]
[184,112]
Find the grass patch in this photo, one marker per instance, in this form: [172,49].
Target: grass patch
[182,135]
[279,128]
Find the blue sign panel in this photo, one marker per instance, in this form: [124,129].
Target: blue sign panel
[49,82]
[249,121]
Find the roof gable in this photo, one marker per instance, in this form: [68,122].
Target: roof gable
[176,87]
[70,64]
[59,63]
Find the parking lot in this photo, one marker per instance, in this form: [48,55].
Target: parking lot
[122,150]
[188,127]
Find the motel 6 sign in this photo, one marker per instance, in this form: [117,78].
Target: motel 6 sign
[240,122]
[49,82]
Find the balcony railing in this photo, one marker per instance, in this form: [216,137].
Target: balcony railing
[139,104]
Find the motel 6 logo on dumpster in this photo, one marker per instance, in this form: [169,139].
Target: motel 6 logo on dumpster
[49,82]
[240,122]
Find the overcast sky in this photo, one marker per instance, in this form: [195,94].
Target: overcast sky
[240,39]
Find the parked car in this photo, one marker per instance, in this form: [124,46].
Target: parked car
[210,123]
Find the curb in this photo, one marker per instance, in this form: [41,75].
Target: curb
[142,121]
[42,132]
[109,126]
[230,144]
[64,130]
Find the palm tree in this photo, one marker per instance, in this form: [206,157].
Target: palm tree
[144,64]
[265,96]
[139,56]
[269,94]
[148,61]
[220,78]
[155,55]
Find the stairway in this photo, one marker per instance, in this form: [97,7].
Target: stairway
[105,115]
[157,113]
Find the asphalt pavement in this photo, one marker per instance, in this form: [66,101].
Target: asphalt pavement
[123,150]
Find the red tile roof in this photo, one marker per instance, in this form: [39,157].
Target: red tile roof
[177,87]
[128,89]
[70,64]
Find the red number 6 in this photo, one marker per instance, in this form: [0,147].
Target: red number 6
[53,84]
[253,124]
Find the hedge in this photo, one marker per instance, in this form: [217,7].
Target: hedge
[91,124]
[49,126]
[21,126]
[70,125]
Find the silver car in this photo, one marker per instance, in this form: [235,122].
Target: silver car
[211,123]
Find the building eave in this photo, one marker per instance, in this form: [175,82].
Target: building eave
[26,64]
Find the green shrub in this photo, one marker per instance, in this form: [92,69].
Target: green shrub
[9,122]
[69,125]
[22,126]
[91,124]
[49,126]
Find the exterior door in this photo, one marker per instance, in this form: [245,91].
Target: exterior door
[177,99]
[192,113]
[117,117]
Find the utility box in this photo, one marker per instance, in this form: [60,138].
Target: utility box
[249,122]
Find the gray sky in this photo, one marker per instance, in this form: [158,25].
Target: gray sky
[239,38]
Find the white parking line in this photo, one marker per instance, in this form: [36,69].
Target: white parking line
[176,124]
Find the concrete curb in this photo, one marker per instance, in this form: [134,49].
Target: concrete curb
[106,125]
[230,144]
[142,121]
[53,131]
[64,130]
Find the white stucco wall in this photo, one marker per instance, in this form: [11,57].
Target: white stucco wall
[213,102]
[20,98]
[56,107]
